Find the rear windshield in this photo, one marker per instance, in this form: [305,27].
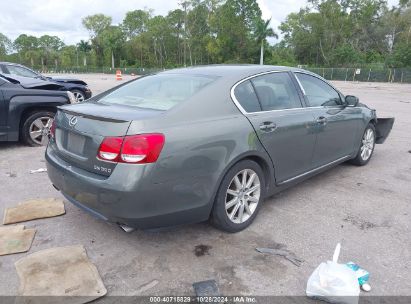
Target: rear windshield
[158,92]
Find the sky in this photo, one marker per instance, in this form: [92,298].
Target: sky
[62,18]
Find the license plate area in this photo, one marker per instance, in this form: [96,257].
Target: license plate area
[75,143]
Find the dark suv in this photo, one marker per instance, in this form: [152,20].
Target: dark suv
[27,109]
[78,87]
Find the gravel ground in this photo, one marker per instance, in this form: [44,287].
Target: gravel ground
[367,209]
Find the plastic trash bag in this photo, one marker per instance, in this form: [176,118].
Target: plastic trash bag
[333,282]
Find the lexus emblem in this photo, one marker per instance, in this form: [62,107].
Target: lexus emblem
[73,121]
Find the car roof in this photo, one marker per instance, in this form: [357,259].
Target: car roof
[230,70]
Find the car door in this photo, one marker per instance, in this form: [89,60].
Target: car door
[337,124]
[285,128]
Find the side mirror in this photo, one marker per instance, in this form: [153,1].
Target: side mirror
[351,101]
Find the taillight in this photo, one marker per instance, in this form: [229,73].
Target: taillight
[110,148]
[136,149]
[53,129]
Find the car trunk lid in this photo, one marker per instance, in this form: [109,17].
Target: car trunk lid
[81,128]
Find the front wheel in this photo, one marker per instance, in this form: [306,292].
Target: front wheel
[239,197]
[79,95]
[366,147]
[36,128]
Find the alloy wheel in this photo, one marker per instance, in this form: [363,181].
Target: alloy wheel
[40,130]
[79,96]
[242,196]
[367,144]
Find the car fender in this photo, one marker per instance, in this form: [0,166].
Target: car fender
[262,158]
[69,81]
[21,104]
[71,86]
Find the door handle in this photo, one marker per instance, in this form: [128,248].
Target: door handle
[321,120]
[268,126]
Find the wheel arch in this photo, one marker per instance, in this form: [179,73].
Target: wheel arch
[80,89]
[373,121]
[30,110]
[263,161]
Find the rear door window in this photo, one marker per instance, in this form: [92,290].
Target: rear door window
[158,92]
[276,91]
[245,95]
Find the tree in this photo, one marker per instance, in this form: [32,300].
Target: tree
[96,24]
[49,47]
[199,30]
[322,33]
[317,31]
[263,30]
[68,56]
[136,22]
[112,39]
[5,45]
[27,47]
[232,28]
[84,47]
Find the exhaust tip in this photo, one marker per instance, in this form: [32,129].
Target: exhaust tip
[126,228]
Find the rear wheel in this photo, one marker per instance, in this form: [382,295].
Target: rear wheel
[239,197]
[367,146]
[36,128]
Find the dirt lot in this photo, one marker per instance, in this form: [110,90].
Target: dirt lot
[367,209]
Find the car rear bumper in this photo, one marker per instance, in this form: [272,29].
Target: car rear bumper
[125,199]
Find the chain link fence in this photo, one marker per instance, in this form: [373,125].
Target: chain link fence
[87,70]
[344,74]
[364,74]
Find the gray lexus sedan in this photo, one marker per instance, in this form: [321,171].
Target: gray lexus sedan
[211,142]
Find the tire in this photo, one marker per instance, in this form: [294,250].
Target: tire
[220,216]
[36,123]
[367,143]
[80,97]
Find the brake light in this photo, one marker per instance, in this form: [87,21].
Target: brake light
[136,149]
[110,148]
[53,129]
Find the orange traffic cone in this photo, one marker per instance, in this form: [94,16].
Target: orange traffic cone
[118,75]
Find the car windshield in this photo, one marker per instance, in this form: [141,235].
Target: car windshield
[158,92]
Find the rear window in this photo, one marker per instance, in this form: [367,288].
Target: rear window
[158,92]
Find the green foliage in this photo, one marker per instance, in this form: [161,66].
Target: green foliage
[233,25]
[136,22]
[5,44]
[348,32]
[334,33]
[96,24]
[281,55]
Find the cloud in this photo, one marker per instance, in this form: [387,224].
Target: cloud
[278,11]
[63,17]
